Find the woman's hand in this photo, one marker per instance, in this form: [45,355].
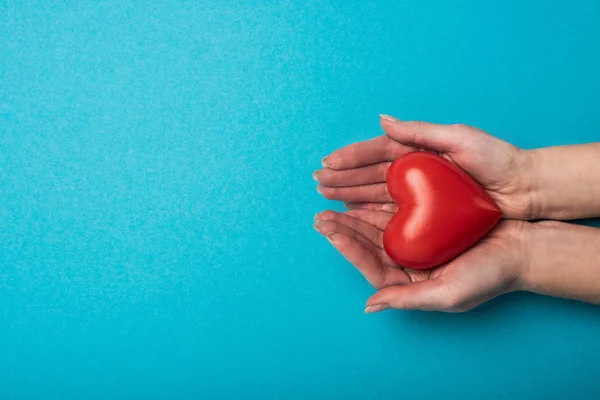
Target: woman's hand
[492,267]
[356,174]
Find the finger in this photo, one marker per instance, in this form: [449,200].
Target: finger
[378,219]
[430,295]
[374,173]
[374,235]
[366,262]
[387,207]
[435,137]
[373,151]
[328,227]
[374,193]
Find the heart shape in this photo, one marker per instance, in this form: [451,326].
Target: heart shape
[442,211]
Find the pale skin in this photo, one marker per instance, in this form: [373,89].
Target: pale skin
[547,257]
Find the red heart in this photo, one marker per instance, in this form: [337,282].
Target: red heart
[442,211]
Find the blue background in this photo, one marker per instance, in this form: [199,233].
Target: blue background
[156,200]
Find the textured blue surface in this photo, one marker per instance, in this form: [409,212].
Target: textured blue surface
[156,200]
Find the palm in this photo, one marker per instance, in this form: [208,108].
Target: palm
[484,271]
[356,174]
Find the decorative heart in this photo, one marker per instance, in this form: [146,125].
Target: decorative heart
[442,211]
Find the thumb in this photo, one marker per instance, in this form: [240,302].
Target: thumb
[428,136]
[424,295]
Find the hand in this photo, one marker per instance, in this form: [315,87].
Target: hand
[492,267]
[356,174]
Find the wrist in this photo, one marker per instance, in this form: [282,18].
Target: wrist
[529,193]
[553,250]
[523,237]
[561,183]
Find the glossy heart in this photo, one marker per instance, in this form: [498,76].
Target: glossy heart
[442,211]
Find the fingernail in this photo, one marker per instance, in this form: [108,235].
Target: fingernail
[318,189]
[388,207]
[376,308]
[329,237]
[317,216]
[324,162]
[388,118]
[317,224]
[347,205]
[315,176]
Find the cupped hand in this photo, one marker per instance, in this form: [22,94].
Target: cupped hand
[356,174]
[490,268]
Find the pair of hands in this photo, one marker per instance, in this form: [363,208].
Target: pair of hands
[356,175]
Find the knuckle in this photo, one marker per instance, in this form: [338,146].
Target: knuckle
[386,260]
[463,309]
[389,145]
[327,225]
[409,306]
[554,225]
[327,214]
[458,309]
[329,193]
[383,279]
[418,124]
[414,127]
[324,176]
[452,302]
[460,127]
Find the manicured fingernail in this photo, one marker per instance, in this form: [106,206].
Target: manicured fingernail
[324,162]
[388,118]
[315,176]
[388,207]
[376,308]
[329,237]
